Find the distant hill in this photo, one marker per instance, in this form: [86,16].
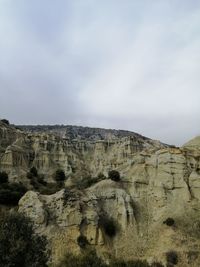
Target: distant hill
[80,132]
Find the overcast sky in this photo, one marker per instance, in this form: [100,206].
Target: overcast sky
[124,64]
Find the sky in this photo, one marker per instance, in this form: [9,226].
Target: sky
[123,64]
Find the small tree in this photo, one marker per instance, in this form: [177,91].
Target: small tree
[59,175]
[108,225]
[3,177]
[19,245]
[10,194]
[87,259]
[5,121]
[82,241]
[169,222]
[114,175]
[34,171]
[172,258]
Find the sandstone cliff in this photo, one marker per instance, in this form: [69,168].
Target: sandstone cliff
[157,182]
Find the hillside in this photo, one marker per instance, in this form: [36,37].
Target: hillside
[157,183]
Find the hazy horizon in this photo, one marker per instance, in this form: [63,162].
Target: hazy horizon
[129,65]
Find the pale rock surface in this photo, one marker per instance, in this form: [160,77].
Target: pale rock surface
[78,213]
[157,182]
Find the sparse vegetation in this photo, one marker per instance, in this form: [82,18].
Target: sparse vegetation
[29,175]
[59,175]
[86,259]
[114,175]
[19,245]
[169,222]
[172,258]
[82,241]
[49,189]
[108,225]
[189,224]
[90,259]
[5,121]
[133,263]
[40,185]
[192,255]
[34,171]
[41,180]
[157,264]
[3,177]
[10,194]
[88,181]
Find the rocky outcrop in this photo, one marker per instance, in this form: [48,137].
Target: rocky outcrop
[79,213]
[193,144]
[157,185]
[157,182]
[77,157]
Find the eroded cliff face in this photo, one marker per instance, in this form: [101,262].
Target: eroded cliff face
[157,182]
[157,186]
[77,157]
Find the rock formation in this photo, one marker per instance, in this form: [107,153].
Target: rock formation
[158,182]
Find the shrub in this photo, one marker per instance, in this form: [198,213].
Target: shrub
[87,259]
[3,177]
[19,245]
[59,176]
[171,257]
[34,171]
[10,194]
[192,255]
[157,264]
[101,176]
[88,181]
[41,181]
[108,225]
[189,223]
[114,175]
[169,221]
[5,121]
[90,259]
[133,263]
[29,175]
[49,189]
[82,241]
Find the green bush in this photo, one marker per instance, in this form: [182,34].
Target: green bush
[29,175]
[59,175]
[108,225]
[34,171]
[171,257]
[19,245]
[10,194]
[169,222]
[40,180]
[87,259]
[49,189]
[101,176]
[189,223]
[90,259]
[157,264]
[134,263]
[3,177]
[88,181]
[82,241]
[5,121]
[114,175]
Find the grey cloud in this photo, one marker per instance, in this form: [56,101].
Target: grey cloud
[116,64]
